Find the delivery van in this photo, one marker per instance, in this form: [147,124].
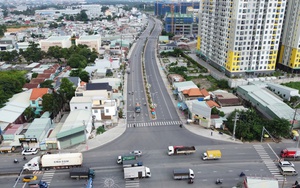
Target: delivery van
[288,171]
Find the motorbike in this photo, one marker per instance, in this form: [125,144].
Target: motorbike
[219,181]
[242,174]
[16,161]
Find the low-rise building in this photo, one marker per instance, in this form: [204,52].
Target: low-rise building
[92,41]
[61,41]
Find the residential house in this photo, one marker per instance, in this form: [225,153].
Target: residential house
[36,133]
[193,93]
[36,101]
[12,112]
[175,78]
[11,135]
[227,99]
[74,80]
[199,112]
[76,129]
[103,106]
[115,83]
[81,103]
[180,86]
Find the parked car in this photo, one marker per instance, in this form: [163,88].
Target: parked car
[286,163]
[29,178]
[30,151]
[137,153]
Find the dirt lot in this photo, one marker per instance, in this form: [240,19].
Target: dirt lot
[13,30]
[204,83]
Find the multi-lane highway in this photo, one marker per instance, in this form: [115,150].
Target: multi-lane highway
[154,136]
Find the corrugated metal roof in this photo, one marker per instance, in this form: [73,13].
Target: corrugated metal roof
[263,183]
[75,122]
[37,127]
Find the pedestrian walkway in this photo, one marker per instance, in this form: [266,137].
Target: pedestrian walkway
[154,123]
[47,177]
[132,183]
[269,162]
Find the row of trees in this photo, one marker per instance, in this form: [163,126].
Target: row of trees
[249,125]
[77,56]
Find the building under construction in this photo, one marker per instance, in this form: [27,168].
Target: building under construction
[181,24]
[161,8]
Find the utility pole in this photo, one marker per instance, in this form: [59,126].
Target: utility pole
[235,119]
[292,127]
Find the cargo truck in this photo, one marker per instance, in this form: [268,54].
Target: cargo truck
[81,173]
[212,155]
[54,161]
[137,172]
[137,107]
[183,173]
[290,154]
[122,158]
[132,163]
[175,150]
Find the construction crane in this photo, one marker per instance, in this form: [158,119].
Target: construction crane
[172,15]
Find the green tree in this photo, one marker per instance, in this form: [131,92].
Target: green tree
[34,75]
[33,53]
[67,89]
[29,114]
[84,76]
[77,61]
[52,102]
[47,84]
[3,29]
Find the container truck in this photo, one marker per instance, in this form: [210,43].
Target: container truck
[183,173]
[290,153]
[54,161]
[174,150]
[81,173]
[137,172]
[137,107]
[122,158]
[132,163]
[211,155]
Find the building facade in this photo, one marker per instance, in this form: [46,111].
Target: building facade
[161,8]
[61,41]
[289,54]
[92,41]
[241,37]
[181,24]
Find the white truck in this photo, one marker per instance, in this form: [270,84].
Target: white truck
[54,161]
[176,150]
[137,172]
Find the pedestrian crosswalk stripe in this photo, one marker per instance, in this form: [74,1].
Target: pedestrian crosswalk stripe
[160,123]
[270,164]
[132,183]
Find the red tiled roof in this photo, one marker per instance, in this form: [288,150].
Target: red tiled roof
[212,104]
[44,75]
[204,92]
[192,92]
[38,93]
[49,71]
[30,85]
[37,80]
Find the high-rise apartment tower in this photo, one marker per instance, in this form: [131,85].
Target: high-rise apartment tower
[289,53]
[241,37]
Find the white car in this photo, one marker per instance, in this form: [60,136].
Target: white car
[137,153]
[285,163]
[30,151]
